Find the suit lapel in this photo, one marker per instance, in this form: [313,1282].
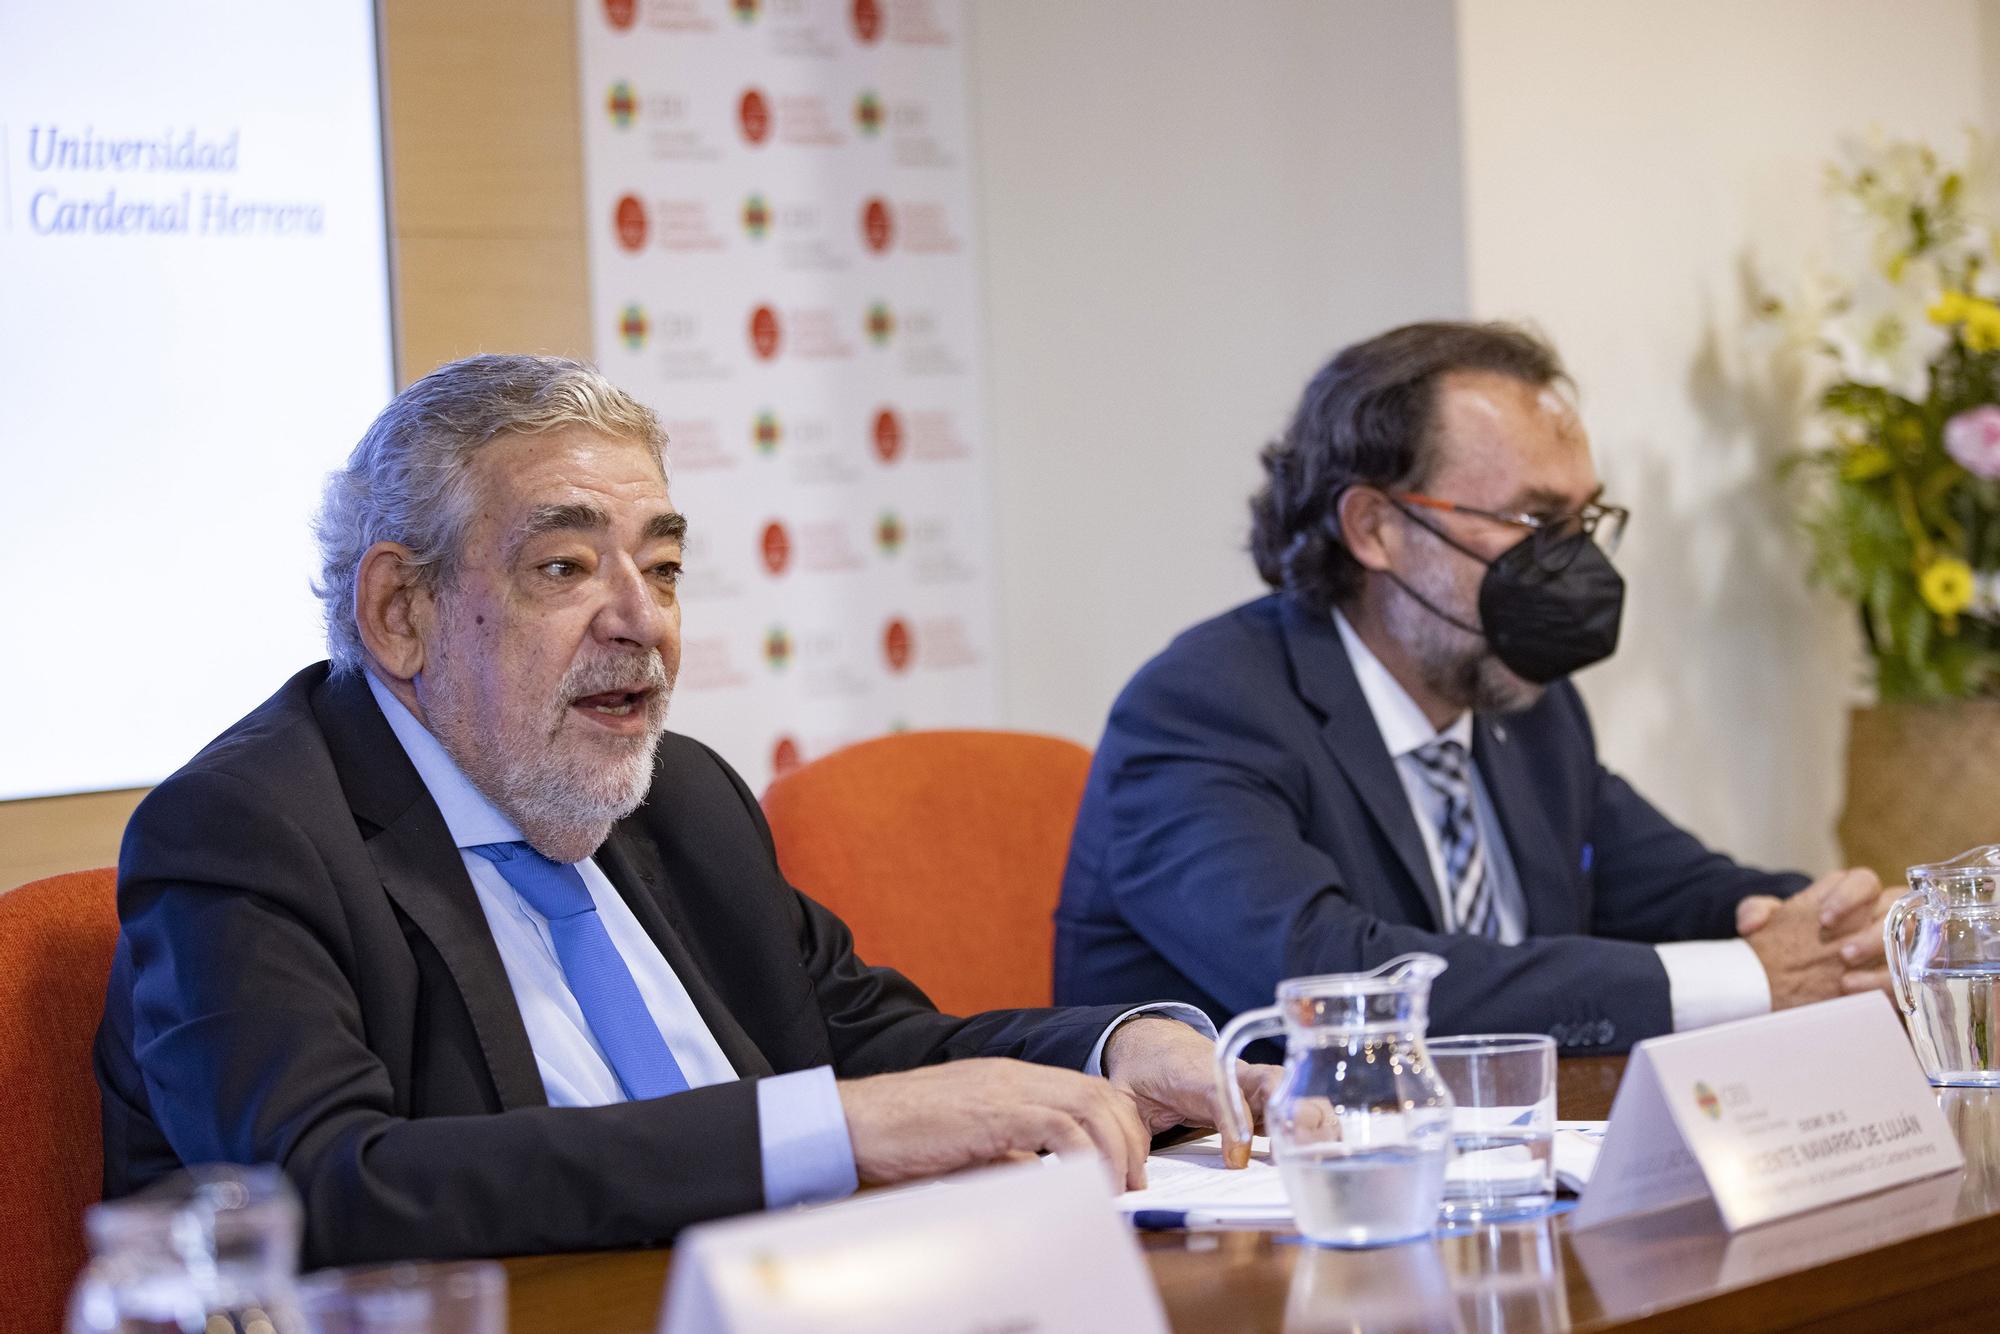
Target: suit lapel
[1546,888]
[632,864]
[424,874]
[1326,680]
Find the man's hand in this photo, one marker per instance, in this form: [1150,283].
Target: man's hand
[1824,941]
[1168,1069]
[939,1118]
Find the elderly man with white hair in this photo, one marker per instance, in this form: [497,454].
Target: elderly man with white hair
[453,930]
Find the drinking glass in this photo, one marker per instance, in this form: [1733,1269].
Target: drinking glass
[214,1247]
[467,1297]
[1503,1086]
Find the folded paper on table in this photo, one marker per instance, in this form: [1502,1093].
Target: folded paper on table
[1576,1148]
[1189,1179]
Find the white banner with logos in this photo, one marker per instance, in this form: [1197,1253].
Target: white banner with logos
[783,266]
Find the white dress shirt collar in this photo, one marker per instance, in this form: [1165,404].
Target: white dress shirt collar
[1403,725]
[471,818]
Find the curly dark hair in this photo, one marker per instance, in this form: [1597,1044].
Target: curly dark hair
[1366,418]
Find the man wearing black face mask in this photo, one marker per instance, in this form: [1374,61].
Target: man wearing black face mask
[1383,755]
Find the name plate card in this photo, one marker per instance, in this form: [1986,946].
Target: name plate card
[1770,1117]
[1036,1248]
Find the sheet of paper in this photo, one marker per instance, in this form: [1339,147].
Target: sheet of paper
[1576,1148]
[1190,1178]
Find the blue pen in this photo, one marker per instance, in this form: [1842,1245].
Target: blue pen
[1177,1220]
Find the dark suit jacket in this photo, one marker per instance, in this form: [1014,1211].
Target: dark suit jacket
[305,977]
[1244,823]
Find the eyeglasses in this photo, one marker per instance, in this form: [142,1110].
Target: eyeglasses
[1556,536]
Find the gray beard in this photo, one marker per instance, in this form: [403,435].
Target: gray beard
[1455,664]
[564,805]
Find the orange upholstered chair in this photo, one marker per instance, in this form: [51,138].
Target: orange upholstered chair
[943,851]
[56,938]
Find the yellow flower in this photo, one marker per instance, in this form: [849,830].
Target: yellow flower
[1864,463]
[1946,585]
[1949,308]
[1982,327]
[1979,318]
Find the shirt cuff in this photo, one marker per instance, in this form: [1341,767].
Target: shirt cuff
[802,1132]
[1713,982]
[1187,1014]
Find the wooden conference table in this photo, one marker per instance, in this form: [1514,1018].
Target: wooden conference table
[1923,1256]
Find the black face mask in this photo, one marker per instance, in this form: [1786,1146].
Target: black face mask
[1547,607]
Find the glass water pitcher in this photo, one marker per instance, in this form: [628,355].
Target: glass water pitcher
[1360,1124]
[1943,944]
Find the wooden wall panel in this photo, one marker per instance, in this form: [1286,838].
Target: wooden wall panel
[486,223]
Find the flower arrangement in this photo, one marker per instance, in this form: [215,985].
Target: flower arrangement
[1900,487]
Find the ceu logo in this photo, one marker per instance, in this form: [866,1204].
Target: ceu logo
[756,217]
[896,644]
[766,433]
[868,113]
[753,113]
[1704,1098]
[880,323]
[776,546]
[620,13]
[888,435]
[889,533]
[867,20]
[878,226]
[629,220]
[745,10]
[622,104]
[764,333]
[784,757]
[632,327]
[777,648]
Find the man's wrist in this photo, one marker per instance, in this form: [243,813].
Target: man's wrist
[1175,1010]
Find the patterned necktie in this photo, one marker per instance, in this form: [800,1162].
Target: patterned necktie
[596,972]
[1448,771]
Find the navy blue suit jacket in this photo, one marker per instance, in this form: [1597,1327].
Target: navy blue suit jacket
[1244,823]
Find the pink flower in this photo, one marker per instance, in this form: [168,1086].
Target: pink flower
[1973,438]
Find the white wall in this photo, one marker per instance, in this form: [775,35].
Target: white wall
[1185,208]
[1621,157]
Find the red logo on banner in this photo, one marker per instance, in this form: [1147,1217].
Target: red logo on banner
[746,10]
[764,332]
[630,220]
[777,547]
[888,436]
[623,104]
[881,324]
[889,533]
[877,226]
[632,326]
[784,757]
[619,13]
[868,112]
[896,645]
[867,20]
[754,114]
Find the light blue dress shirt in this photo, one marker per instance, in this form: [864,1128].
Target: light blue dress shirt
[802,1130]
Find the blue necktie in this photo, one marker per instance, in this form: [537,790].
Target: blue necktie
[594,969]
